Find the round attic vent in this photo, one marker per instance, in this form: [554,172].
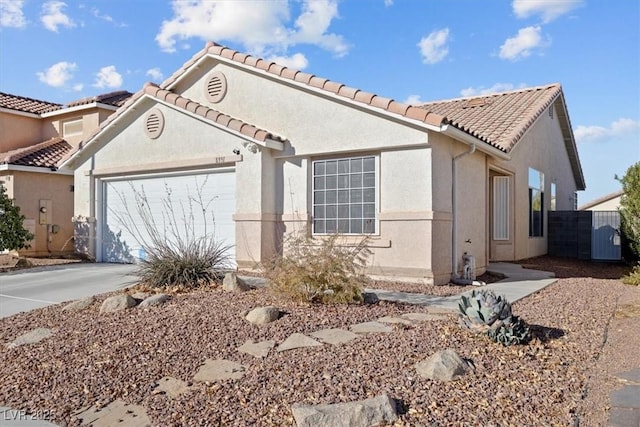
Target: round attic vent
[154,123]
[215,87]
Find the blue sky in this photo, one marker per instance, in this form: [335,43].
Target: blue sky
[409,50]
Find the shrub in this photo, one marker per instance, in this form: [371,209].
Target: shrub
[630,211]
[484,312]
[175,254]
[13,235]
[319,271]
[633,278]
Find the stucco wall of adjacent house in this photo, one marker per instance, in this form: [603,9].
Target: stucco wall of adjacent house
[91,119]
[612,204]
[543,149]
[29,189]
[18,131]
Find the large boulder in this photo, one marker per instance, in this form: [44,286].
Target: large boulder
[31,337]
[444,365]
[363,413]
[263,315]
[118,303]
[78,305]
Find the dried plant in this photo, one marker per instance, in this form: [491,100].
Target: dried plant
[319,270]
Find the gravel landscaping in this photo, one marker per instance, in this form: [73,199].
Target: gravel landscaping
[586,328]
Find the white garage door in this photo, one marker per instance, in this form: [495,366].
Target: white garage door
[180,205]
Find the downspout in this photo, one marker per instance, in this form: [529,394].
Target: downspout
[454,205]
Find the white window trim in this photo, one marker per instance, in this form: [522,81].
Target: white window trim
[70,123]
[501,188]
[376,158]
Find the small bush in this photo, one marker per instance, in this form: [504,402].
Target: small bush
[321,271]
[633,278]
[196,263]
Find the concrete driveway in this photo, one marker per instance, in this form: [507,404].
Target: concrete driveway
[24,290]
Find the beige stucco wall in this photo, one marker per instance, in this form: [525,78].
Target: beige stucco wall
[541,148]
[608,205]
[28,189]
[18,131]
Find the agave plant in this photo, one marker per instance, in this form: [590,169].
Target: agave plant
[485,312]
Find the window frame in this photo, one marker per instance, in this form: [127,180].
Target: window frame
[536,229]
[348,189]
[72,122]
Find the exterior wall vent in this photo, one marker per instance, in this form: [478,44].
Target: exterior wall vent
[215,87]
[154,123]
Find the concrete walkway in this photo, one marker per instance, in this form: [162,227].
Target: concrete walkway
[518,283]
[625,403]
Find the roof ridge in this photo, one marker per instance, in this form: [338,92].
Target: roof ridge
[493,94]
[313,81]
[209,113]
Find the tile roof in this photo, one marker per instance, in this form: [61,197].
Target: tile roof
[498,119]
[339,89]
[116,99]
[47,154]
[27,105]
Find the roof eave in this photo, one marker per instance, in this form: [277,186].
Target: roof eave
[469,139]
[35,169]
[19,113]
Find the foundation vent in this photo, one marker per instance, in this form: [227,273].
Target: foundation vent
[215,87]
[154,124]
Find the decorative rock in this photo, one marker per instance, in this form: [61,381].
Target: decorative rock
[254,282]
[263,315]
[117,303]
[233,283]
[115,413]
[153,300]
[370,298]
[141,296]
[423,317]
[297,341]
[219,369]
[172,386]
[78,305]
[444,365]
[395,320]
[260,349]
[363,413]
[31,337]
[334,336]
[370,327]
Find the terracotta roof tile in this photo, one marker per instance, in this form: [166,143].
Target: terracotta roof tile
[116,99]
[46,154]
[499,119]
[27,105]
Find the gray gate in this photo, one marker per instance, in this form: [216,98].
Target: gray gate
[605,236]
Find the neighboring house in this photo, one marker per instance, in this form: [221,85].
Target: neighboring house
[275,149]
[34,136]
[610,202]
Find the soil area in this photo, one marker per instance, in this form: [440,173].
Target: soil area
[586,329]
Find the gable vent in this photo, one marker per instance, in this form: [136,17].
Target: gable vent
[215,87]
[154,123]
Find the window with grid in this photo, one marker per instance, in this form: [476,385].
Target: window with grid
[344,195]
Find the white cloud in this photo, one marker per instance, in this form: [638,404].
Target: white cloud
[155,74]
[261,27]
[296,61]
[547,9]
[58,74]
[388,3]
[78,87]
[496,88]
[522,44]
[619,128]
[108,77]
[11,14]
[413,100]
[108,18]
[434,47]
[52,16]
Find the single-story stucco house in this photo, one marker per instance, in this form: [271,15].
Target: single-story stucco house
[34,136]
[275,149]
[609,202]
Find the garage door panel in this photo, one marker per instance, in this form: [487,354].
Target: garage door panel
[179,207]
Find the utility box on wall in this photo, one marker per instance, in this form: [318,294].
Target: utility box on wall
[45,212]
